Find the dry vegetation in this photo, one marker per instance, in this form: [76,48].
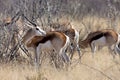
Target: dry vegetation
[84,15]
[102,67]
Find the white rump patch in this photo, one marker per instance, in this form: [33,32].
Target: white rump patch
[76,36]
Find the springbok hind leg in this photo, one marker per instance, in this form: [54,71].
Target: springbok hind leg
[64,56]
[111,51]
[71,51]
[79,52]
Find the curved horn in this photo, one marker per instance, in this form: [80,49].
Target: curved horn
[29,20]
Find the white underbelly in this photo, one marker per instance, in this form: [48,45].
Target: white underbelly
[100,42]
[45,46]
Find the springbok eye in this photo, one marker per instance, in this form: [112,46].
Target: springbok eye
[37,29]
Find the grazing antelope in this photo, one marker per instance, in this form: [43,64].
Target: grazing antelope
[73,34]
[46,41]
[101,38]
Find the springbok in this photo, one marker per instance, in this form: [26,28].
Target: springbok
[72,33]
[40,40]
[101,38]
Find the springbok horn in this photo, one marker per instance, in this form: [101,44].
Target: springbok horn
[29,21]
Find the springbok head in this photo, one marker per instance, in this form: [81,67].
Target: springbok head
[40,31]
[34,31]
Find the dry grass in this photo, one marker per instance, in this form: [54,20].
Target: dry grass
[15,72]
[101,67]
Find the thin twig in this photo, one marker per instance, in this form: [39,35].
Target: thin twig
[97,71]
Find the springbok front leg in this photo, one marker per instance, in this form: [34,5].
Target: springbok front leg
[37,56]
[93,48]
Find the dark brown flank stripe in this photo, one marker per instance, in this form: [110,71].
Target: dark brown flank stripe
[108,33]
[96,37]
